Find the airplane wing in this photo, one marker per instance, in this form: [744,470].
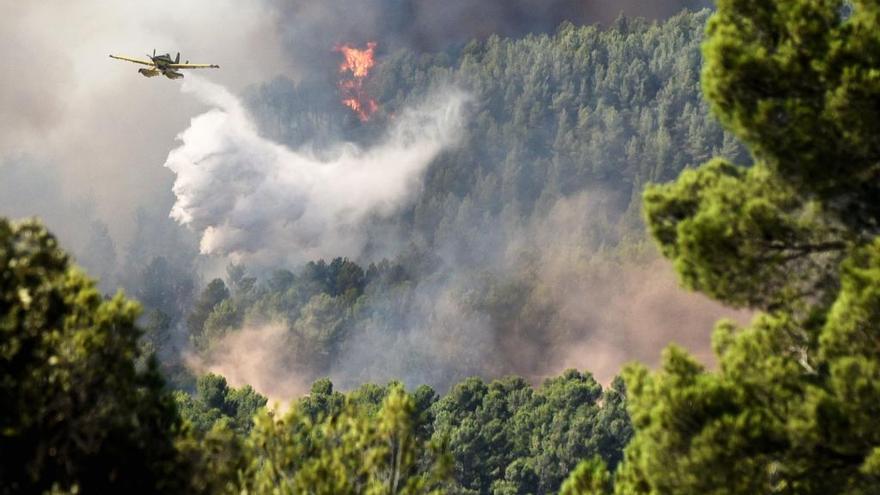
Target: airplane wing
[135,60]
[192,66]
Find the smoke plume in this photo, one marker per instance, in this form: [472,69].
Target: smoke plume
[94,123]
[252,356]
[545,299]
[254,199]
[603,310]
[309,28]
[99,131]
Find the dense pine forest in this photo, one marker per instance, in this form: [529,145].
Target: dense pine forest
[584,109]
[539,201]
[739,144]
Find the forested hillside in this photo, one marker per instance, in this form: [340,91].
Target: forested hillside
[85,410]
[432,362]
[792,406]
[536,207]
[503,437]
[585,109]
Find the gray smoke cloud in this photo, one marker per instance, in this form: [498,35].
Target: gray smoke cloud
[429,25]
[101,131]
[611,310]
[255,200]
[93,123]
[250,356]
[83,138]
[555,301]
[549,300]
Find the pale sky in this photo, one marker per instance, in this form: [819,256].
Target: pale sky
[103,129]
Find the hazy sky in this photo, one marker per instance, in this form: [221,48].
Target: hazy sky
[78,124]
[103,131]
[100,127]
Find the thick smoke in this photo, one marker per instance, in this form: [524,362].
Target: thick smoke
[100,131]
[309,28]
[612,311]
[574,307]
[549,301]
[253,199]
[253,356]
[93,123]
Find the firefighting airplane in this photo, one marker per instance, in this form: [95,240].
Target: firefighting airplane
[164,65]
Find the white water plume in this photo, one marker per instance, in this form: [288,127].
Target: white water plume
[252,198]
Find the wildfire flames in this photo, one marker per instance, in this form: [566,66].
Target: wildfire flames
[354,69]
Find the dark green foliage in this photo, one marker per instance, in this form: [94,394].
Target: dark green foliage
[738,234]
[340,277]
[322,401]
[590,478]
[75,412]
[212,295]
[792,407]
[506,437]
[79,415]
[162,287]
[584,109]
[354,450]
[215,401]
[613,429]
[797,82]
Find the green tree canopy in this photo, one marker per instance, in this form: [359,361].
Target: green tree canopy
[215,401]
[75,411]
[792,407]
[349,452]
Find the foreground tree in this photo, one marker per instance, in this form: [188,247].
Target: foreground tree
[793,405]
[349,452]
[75,411]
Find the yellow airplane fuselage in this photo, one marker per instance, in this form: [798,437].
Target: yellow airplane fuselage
[164,65]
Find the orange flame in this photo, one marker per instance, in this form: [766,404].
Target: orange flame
[354,68]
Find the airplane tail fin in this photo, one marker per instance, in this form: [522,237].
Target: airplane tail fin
[177,59]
